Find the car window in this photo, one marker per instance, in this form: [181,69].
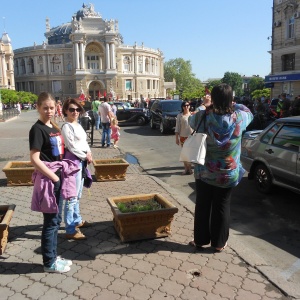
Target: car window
[288,137]
[171,106]
[270,133]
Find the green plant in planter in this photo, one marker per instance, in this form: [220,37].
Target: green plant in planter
[139,205]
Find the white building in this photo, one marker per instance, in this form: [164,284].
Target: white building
[87,55]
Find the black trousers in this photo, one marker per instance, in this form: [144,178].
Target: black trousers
[212,215]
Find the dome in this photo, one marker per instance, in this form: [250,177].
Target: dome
[59,34]
[5,38]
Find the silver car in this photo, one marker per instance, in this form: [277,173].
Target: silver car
[271,156]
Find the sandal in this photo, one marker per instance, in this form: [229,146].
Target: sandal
[219,250]
[192,243]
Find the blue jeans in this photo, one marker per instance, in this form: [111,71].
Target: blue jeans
[97,119]
[50,230]
[106,132]
[72,215]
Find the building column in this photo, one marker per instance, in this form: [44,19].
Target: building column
[81,56]
[113,55]
[4,70]
[107,55]
[12,77]
[76,56]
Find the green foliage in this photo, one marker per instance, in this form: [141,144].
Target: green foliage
[261,93]
[12,96]
[139,205]
[235,81]
[187,85]
[213,83]
[256,83]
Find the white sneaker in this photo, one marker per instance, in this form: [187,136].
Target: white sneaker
[66,262]
[57,268]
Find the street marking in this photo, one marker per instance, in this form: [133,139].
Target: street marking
[290,271]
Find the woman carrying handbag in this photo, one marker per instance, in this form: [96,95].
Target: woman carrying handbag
[222,170]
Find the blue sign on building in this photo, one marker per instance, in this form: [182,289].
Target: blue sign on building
[280,78]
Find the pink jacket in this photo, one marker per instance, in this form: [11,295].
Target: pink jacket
[43,197]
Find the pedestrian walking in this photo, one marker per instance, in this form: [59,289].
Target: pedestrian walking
[115,131]
[106,115]
[95,105]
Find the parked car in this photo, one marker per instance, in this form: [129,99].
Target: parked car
[131,115]
[163,114]
[271,156]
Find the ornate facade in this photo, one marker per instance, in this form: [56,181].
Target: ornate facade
[87,55]
[285,53]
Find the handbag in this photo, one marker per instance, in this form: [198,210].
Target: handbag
[194,147]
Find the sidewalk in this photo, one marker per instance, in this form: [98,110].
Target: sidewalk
[103,267]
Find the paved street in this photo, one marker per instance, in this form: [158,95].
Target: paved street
[105,268]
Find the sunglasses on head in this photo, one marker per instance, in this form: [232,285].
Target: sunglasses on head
[72,109]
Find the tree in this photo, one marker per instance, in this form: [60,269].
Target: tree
[256,83]
[12,96]
[187,85]
[235,81]
[257,94]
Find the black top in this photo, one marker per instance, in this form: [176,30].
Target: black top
[47,140]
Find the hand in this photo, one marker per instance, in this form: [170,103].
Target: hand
[89,157]
[177,142]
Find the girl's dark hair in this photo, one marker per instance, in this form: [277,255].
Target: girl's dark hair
[183,104]
[67,104]
[43,96]
[222,96]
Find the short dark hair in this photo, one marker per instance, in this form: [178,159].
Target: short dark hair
[67,104]
[183,104]
[222,96]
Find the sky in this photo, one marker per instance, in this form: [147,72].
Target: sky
[215,36]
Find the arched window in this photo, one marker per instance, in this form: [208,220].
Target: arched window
[30,65]
[140,64]
[147,63]
[127,64]
[22,65]
[16,64]
[152,65]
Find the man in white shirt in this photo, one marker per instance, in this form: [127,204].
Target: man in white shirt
[105,112]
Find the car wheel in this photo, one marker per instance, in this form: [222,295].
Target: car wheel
[263,179]
[140,121]
[162,127]
[152,125]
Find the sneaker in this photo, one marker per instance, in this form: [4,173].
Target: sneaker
[57,268]
[84,224]
[66,262]
[78,235]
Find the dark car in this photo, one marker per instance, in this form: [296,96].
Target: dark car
[271,156]
[131,115]
[163,114]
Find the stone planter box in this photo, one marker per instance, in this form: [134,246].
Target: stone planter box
[142,225]
[18,173]
[6,212]
[110,169]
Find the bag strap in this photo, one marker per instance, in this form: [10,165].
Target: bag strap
[203,118]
